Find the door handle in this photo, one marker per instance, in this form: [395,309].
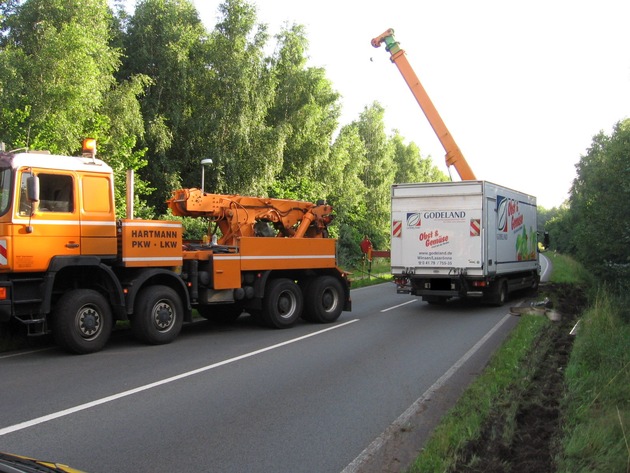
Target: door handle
[72,245]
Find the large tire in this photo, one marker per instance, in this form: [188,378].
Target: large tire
[158,315]
[323,299]
[283,303]
[500,294]
[220,313]
[82,321]
[535,283]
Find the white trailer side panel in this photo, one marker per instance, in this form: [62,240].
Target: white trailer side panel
[512,219]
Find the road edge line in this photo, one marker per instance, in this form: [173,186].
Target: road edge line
[380,441]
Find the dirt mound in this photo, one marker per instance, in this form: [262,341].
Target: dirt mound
[522,437]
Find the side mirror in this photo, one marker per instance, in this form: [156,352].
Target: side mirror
[32,188]
[546,240]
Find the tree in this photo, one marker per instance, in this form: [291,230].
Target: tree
[378,174]
[560,225]
[56,66]
[306,108]
[122,130]
[598,203]
[164,40]
[342,177]
[247,152]
[411,166]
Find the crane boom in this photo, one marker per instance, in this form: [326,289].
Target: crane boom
[243,216]
[454,156]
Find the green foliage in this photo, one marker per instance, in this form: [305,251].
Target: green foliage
[566,270]
[378,173]
[597,404]
[559,223]
[599,217]
[411,166]
[56,56]
[194,228]
[247,151]
[305,106]
[165,40]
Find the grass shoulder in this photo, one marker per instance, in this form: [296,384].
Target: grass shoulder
[370,273]
[517,416]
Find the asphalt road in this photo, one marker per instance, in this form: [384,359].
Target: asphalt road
[241,398]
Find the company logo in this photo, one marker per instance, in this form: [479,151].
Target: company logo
[444,214]
[509,216]
[502,218]
[413,219]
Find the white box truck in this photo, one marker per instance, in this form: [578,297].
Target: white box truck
[466,239]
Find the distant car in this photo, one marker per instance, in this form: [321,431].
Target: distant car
[19,464]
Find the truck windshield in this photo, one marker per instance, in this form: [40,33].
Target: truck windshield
[5,189]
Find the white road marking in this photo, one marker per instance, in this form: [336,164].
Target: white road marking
[416,407]
[2,357]
[114,397]
[399,305]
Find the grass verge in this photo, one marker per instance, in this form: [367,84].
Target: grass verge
[596,435]
[379,271]
[508,372]
[594,412]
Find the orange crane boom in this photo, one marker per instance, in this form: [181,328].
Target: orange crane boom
[242,216]
[454,156]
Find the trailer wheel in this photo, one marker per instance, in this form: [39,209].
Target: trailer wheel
[220,313]
[282,304]
[323,300]
[82,321]
[158,315]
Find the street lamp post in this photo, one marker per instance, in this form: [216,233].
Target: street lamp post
[203,164]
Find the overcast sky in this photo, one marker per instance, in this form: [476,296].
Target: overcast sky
[523,86]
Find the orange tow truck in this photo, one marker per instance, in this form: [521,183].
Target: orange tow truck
[70,267]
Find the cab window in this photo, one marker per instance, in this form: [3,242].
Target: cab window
[56,193]
[5,189]
[26,206]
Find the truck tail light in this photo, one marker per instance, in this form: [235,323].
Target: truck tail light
[3,293]
[401,281]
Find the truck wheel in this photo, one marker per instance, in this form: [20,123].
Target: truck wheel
[535,283]
[282,304]
[221,313]
[501,293]
[82,321]
[323,300]
[158,315]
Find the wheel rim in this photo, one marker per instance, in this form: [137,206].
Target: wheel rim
[89,322]
[287,304]
[163,316]
[330,299]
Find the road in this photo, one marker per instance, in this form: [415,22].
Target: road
[241,398]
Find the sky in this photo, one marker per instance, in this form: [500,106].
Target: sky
[522,86]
